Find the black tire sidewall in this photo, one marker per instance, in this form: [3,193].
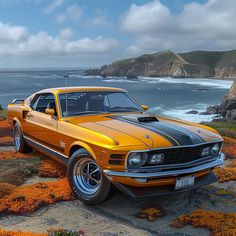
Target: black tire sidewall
[101,194]
[23,148]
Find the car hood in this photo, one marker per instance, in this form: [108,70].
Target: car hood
[144,129]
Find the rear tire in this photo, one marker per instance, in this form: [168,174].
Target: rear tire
[19,141]
[86,179]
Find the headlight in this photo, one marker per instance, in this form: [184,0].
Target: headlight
[207,151]
[215,149]
[137,159]
[211,150]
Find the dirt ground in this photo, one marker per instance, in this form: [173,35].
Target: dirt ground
[118,215]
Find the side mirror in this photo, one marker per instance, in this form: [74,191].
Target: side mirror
[50,111]
[145,107]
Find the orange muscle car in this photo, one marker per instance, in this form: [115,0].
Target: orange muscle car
[107,139]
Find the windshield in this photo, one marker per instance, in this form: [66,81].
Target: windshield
[79,103]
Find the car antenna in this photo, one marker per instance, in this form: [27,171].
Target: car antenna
[66,76]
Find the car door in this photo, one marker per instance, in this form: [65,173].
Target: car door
[38,125]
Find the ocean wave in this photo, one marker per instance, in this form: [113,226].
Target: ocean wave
[46,76]
[222,84]
[180,113]
[119,81]
[90,76]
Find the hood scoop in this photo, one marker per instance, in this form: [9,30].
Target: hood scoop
[140,119]
[147,119]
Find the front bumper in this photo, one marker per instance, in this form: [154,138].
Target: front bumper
[166,189]
[142,180]
[167,173]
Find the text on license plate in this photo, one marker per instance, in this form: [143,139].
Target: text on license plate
[184,182]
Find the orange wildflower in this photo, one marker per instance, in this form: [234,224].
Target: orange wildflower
[219,223]
[31,197]
[51,168]
[7,155]
[6,189]
[151,213]
[225,173]
[229,147]
[19,233]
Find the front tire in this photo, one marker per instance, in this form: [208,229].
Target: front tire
[86,178]
[19,141]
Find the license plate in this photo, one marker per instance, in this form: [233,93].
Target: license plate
[184,182]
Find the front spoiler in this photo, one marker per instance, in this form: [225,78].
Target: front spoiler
[167,173]
[166,189]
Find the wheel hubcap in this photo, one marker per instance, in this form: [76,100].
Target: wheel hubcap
[87,176]
[17,139]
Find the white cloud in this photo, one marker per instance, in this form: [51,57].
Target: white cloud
[208,26]
[16,41]
[53,5]
[66,33]
[73,13]
[12,33]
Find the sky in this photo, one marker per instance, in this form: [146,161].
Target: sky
[90,33]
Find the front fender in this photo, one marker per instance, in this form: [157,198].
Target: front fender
[16,120]
[83,145]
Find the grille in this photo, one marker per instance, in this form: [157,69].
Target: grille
[181,155]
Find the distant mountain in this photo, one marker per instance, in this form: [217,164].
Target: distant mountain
[197,64]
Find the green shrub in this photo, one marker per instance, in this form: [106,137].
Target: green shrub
[64,232]
[1,108]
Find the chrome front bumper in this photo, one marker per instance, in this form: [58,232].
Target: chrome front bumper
[164,173]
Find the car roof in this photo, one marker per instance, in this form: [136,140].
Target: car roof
[81,89]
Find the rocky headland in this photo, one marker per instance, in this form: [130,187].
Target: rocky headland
[197,64]
[227,109]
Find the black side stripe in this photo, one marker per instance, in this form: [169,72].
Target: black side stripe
[58,156]
[163,134]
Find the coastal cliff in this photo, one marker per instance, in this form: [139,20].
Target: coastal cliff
[227,109]
[198,64]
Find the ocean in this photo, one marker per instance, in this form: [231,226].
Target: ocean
[165,96]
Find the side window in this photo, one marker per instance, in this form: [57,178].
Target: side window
[43,101]
[34,101]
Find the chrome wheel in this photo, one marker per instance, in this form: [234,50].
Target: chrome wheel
[17,138]
[87,176]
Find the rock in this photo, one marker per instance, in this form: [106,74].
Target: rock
[228,114]
[233,114]
[192,112]
[204,113]
[223,113]
[228,104]
[91,72]
[213,109]
[219,120]
[131,75]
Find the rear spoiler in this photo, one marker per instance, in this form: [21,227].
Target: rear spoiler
[17,101]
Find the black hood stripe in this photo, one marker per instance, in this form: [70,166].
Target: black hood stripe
[175,134]
[161,133]
[196,139]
